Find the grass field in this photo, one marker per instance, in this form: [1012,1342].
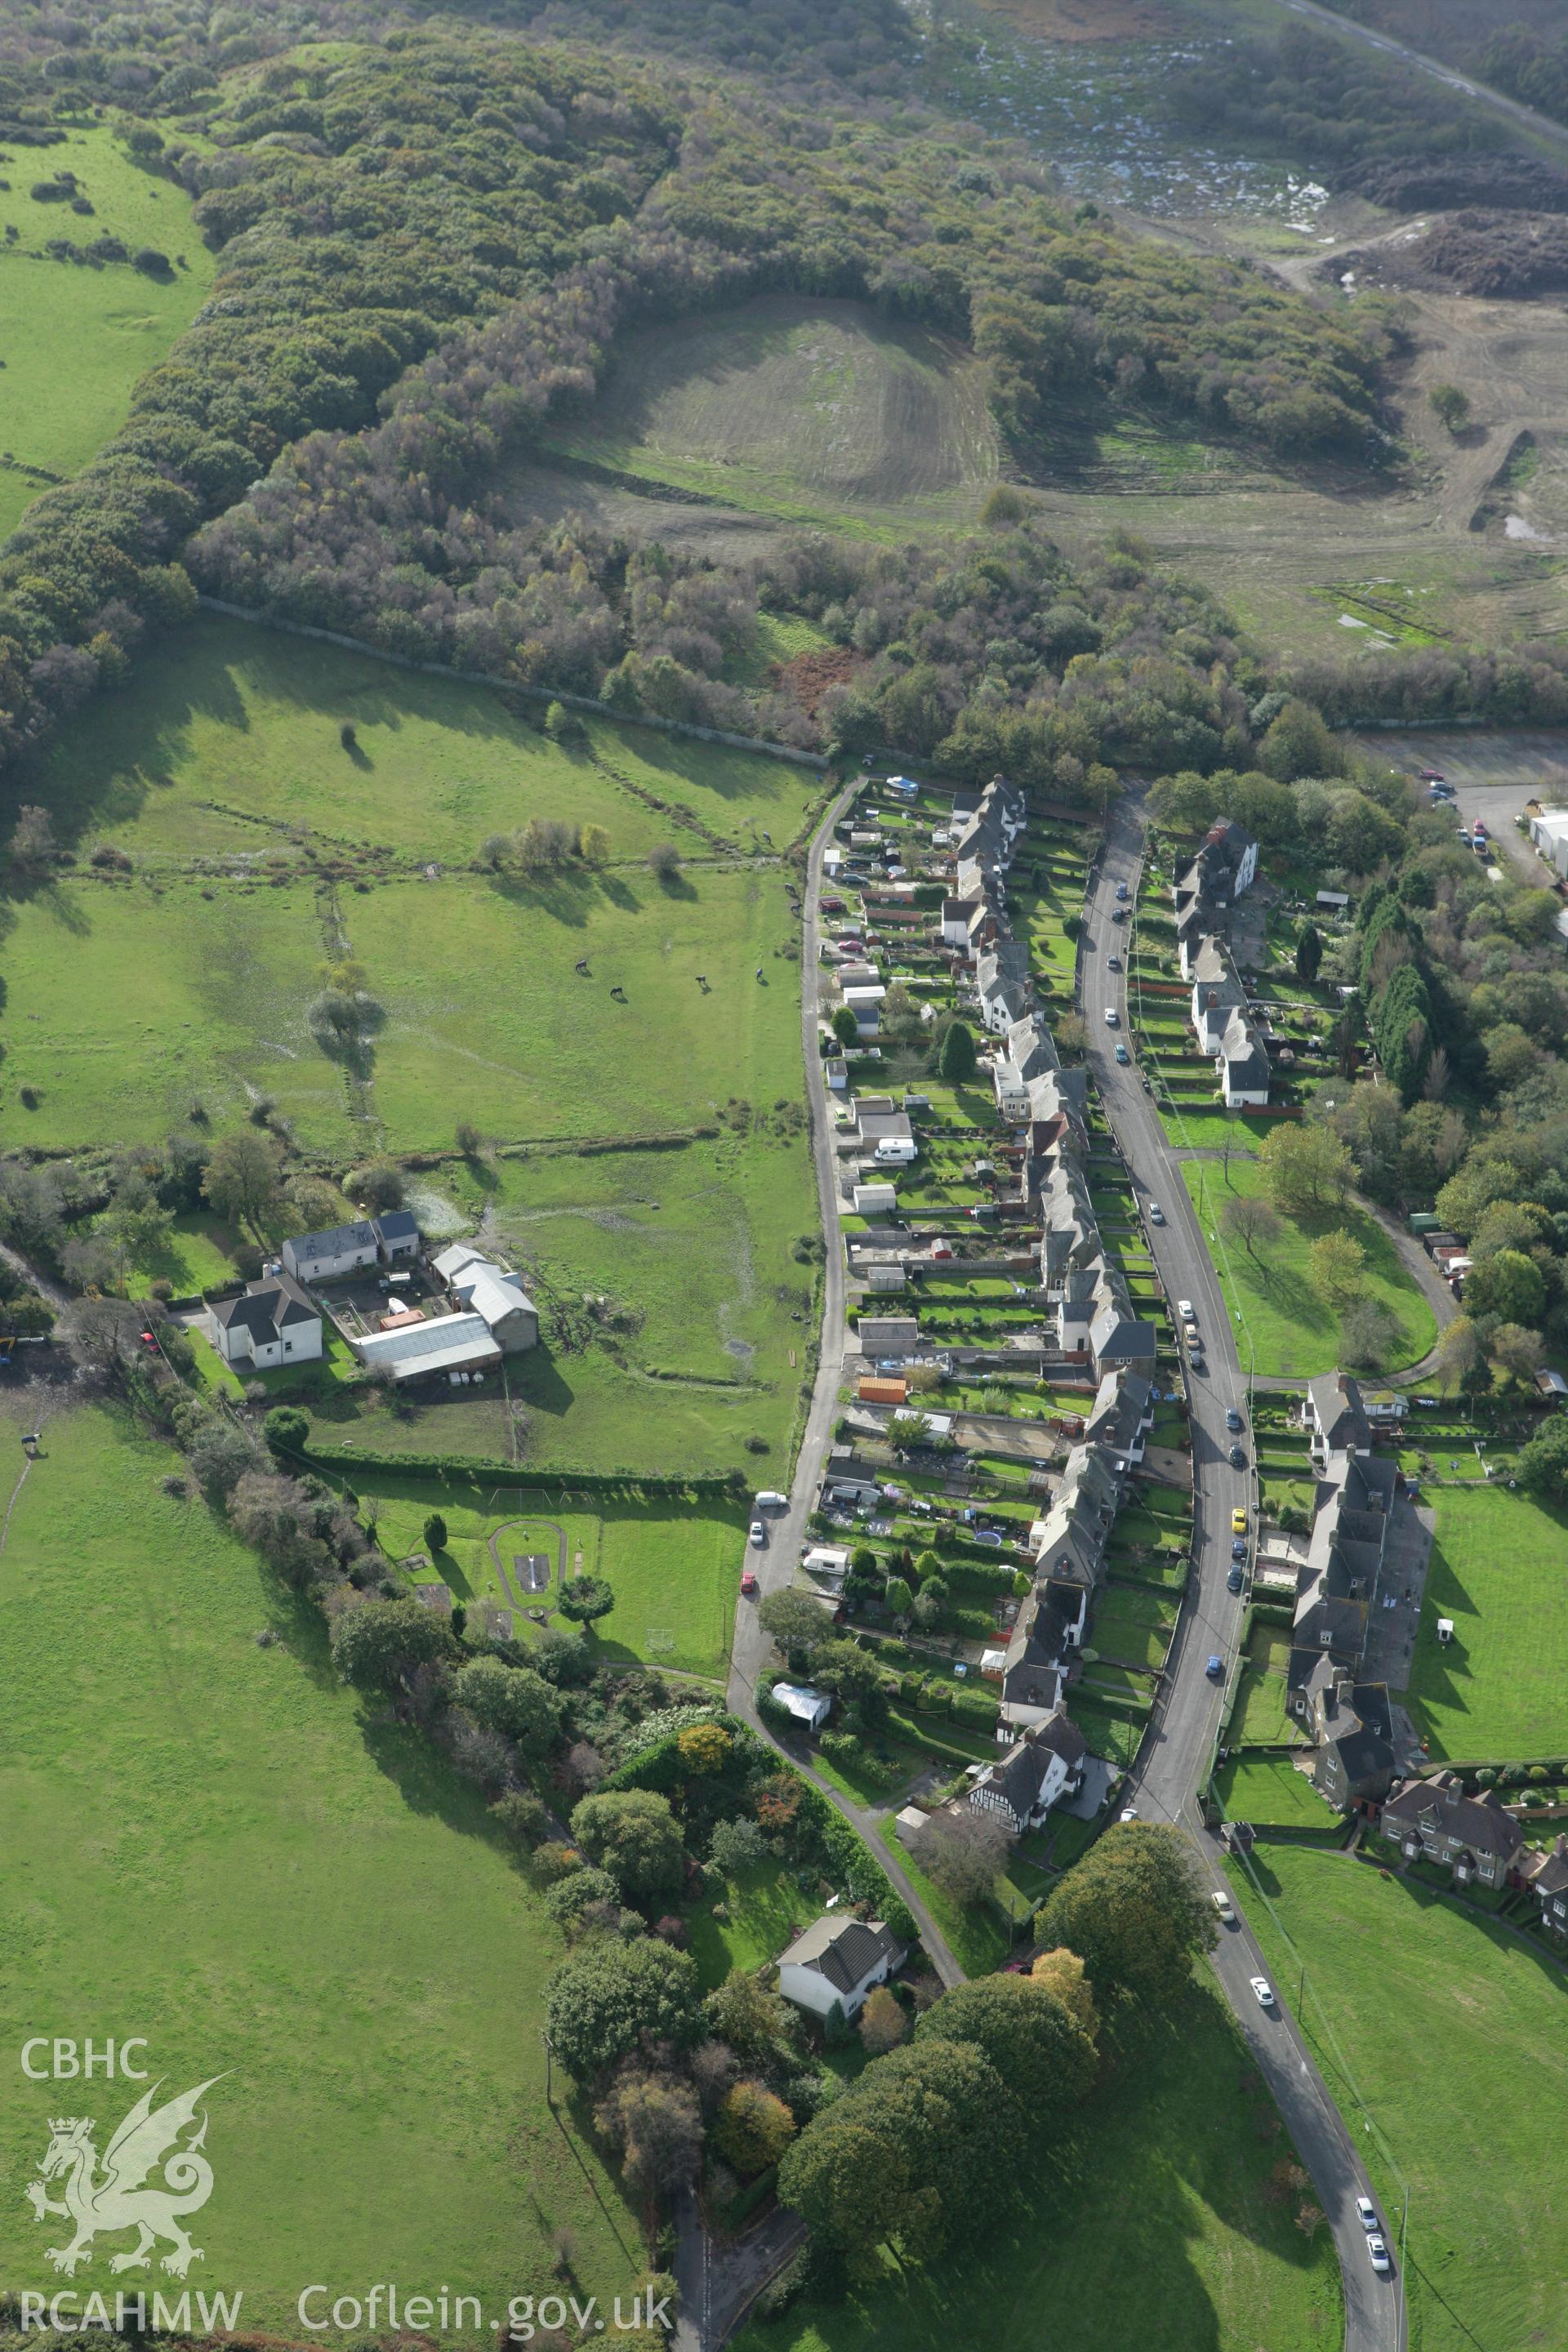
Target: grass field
[806,411]
[1291,1329]
[1499,1570]
[125,1004]
[232,745]
[76,337]
[1269,1791]
[1159,2229]
[766,1910]
[1461,2074]
[210,1843]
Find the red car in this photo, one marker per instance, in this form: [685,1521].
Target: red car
[1433,776]
[749,1581]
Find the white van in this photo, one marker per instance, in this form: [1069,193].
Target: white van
[768,1500]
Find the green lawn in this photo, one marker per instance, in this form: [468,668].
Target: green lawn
[1461,2070]
[76,336]
[978,1939]
[1159,2230]
[1269,1791]
[766,1910]
[229,743]
[674,1567]
[1499,1570]
[215,1845]
[1292,1330]
[125,1005]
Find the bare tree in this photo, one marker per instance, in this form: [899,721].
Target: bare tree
[963,1851]
[1252,1221]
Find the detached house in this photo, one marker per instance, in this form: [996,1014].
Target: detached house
[1334,1415]
[272,1322]
[342,1249]
[1473,1837]
[1225,865]
[1022,1785]
[835,1962]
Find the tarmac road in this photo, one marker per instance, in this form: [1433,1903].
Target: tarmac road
[1173,1763]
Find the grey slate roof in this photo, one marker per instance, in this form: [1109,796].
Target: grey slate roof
[845,1951]
[266,1309]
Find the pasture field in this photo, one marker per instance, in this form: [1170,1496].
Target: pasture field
[1163,2202]
[815,412]
[488,1020]
[1461,2075]
[674,1565]
[74,336]
[231,746]
[126,1003]
[1499,1690]
[1292,1330]
[172,1792]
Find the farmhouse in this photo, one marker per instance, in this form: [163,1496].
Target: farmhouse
[835,1962]
[1473,1837]
[481,1288]
[1024,1784]
[272,1322]
[342,1249]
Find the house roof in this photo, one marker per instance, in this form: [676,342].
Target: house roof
[1116,1337]
[448,1343]
[1338,1412]
[266,1309]
[1482,1823]
[396,1224]
[336,1239]
[845,1951]
[1548,1873]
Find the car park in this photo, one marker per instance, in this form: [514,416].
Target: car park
[1264,1992]
[1224,1908]
[1377,2253]
[1112,1018]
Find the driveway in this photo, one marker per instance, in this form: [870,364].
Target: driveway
[1175,1761]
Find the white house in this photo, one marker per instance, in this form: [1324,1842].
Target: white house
[342,1249]
[837,1962]
[1025,1783]
[271,1322]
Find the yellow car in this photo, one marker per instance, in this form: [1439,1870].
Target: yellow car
[1238,1523]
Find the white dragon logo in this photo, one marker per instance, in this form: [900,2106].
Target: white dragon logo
[144,2141]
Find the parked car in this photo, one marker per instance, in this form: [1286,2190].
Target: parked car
[748,1583]
[1224,1907]
[1184,1308]
[1431,775]
[1429,1404]
[1234,1581]
[1214,1668]
[1239,1521]
[1237,1458]
[1129,1813]
[1196,1363]
[1121,889]
[1378,2254]
[759,1532]
[1239,1550]
[1119,914]
[1366,2214]
[1114,963]
[1232,1418]
[1112,1018]
[1263,1991]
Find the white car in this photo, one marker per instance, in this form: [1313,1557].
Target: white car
[1112,1018]
[1263,1991]
[1223,1909]
[1184,1310]
[759,1533]
[1379,2253]
[1129,1813]
[1156,1214]
[1366,2214]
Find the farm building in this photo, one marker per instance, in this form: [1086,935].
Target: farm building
[888,1335]
[482,1288]
[271,1322]
[422,1350]
[883,1390]
[874,1200]
[342,1249]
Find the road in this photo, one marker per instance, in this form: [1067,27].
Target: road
[1174,1760]
[1329,20]
[775,1561]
